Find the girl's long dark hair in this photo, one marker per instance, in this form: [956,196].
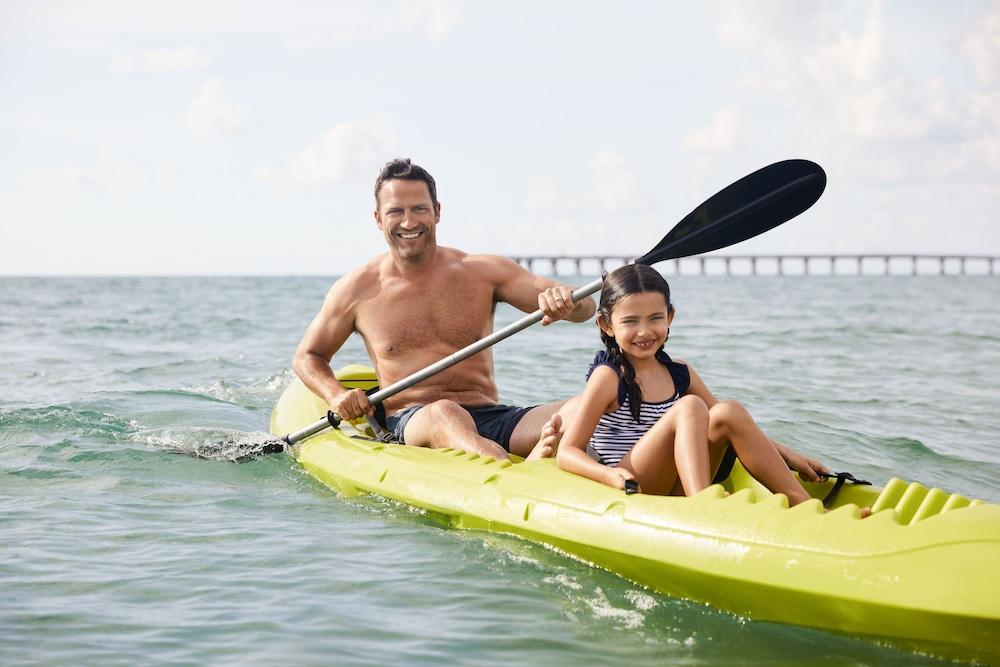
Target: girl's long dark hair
[620,283]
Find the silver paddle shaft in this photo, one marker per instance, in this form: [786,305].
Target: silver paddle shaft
[447,362]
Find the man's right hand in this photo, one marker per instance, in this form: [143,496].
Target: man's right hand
[351,404]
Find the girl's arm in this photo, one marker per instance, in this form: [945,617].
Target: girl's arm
[698,386]
[599,395]
[808,469]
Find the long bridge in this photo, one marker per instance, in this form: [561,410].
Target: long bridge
[862,264]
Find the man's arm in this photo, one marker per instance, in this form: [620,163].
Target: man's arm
[528,292]
[326,334]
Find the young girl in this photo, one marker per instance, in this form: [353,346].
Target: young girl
[644,417]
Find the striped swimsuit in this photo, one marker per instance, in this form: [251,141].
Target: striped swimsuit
[617,432]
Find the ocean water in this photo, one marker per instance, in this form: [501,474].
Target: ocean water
[118,548]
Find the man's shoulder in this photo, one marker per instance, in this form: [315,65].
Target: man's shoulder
[364,275]
[487,263]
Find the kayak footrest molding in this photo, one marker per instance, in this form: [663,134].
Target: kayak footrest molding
[914,502]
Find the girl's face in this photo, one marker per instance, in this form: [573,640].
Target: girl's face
[639,324]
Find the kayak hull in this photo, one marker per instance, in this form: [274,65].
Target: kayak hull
[928,585]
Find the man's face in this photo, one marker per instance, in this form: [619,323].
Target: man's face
[407,217]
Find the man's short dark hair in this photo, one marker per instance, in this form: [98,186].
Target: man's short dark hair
[403,169]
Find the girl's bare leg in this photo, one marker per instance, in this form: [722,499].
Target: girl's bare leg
[730,423]
[675,449]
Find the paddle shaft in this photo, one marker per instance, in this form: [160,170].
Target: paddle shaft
[447,362]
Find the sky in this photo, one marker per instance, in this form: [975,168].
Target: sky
[244,138]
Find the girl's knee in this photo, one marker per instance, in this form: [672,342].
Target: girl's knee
[728,413]
[691,405]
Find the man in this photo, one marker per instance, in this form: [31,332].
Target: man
[421,302]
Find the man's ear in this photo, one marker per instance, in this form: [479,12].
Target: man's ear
[378,220]
[437,212]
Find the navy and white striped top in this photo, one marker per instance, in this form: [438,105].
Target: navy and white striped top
[617,432]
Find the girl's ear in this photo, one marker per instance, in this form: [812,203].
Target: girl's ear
[670,315]
[605,326]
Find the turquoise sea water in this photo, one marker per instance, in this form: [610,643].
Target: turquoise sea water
[115,549]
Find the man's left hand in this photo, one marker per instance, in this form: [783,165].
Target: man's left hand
[556,303]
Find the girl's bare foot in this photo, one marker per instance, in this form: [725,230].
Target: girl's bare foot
[549,440]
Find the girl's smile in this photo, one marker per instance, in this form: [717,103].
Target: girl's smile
[639,323]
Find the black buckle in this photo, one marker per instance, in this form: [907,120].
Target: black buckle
[841,478]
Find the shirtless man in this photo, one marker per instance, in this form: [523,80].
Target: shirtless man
[421,302]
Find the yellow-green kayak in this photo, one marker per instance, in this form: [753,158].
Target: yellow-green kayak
[922,573]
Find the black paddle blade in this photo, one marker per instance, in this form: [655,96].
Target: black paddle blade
[750,206]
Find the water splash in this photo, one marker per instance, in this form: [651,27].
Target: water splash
[217,444]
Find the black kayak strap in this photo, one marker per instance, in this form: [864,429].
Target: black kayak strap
[729,458]
[839,484]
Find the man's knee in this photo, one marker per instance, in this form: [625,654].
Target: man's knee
[444,410]
[434,421]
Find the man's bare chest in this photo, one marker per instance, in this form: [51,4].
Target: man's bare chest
[404,319]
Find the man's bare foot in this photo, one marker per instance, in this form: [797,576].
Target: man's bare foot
[549,440]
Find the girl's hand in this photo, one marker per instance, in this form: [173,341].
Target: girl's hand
[618,477]
[808,469]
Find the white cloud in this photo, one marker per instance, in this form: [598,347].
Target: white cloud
[614,187]
[434,18]
[345,149]
[353,23]
[211,110]
[871,97]
[719,136]
[982,47]
[182,59]
[106,171]
[86,26]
